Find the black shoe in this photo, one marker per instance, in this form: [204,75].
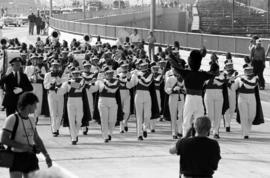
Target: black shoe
[179,135]
[55,134]
[174,137]
[216,136]
[140,138]
[228,129]
[246,137]
[86,131]
[37,121]
[126,129]
[106,140]
[153,130]
[144,134]
[110,137]
[74,142]
[122,132]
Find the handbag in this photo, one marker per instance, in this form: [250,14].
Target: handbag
[6,155]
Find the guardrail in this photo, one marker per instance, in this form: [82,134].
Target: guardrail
[218,43]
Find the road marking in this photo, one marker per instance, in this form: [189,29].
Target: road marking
[64,171]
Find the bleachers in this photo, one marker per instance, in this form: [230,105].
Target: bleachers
[216,18]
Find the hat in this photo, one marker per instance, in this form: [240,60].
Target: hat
[143,66]
[86,63]
[16,59]
[125,67]
[162,63]
[194,60]
[55,62]
[258,41]
[248,70]
[228,66]
[155,68]
[75,70]
[95,58]
[33,56]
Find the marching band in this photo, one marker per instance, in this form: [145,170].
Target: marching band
[84,82]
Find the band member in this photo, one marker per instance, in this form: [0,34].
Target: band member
[36,73]
[15,83]
[194,81]
[52,81]
[143,103]
[249,106]
[75,89]
[89,78]
[174,87]
[158,79]
[123,77]
[231,75]
[107,104]
[213,98]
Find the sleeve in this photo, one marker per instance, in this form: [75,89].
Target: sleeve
[207,76]
[27,86]
[46,82]
[133,81]
[169,86]
[9,123]
[236,84]
[63,89]
[216,155]
[178,146]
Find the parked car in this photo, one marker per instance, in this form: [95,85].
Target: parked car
[24,19]
[12,20]
[1,23]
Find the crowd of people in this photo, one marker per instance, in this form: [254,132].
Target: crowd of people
[83,81]
[40,21]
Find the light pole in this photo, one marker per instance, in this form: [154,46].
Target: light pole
[233,16]
[51,7]
[152,15]
[84,15]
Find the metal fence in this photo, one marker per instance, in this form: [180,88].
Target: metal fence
[219,43]
[102,13]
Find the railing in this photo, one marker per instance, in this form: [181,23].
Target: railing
[101,13]
[219,43]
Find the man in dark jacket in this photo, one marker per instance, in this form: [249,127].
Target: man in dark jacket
[15,83]
[199,155]
[31,19]
[38,24]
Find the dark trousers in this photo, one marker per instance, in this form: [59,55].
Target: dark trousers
[31,28]
[38,29]
[259,66]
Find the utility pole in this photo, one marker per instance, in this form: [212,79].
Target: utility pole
[152,15]
[119,5]
[268,3]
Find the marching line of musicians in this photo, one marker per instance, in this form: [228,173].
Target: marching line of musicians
[112,82]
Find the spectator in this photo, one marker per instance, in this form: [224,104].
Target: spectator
[26,143]
[38,23]
[252,42]
[151,39]
[257,57]
[32,20]
[199,155]
[247,62]
[135,38]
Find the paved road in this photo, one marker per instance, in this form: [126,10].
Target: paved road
[126,157]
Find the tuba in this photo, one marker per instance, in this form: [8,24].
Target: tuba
[55,35]
[3,42]
[86,38]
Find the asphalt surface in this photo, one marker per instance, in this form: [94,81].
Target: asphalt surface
[124,156]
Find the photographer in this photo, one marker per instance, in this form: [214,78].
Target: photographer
[199,155]
[26,143]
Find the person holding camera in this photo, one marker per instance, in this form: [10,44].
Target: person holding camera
[26,143]
[199,155]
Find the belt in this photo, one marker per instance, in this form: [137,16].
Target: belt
[194,92]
